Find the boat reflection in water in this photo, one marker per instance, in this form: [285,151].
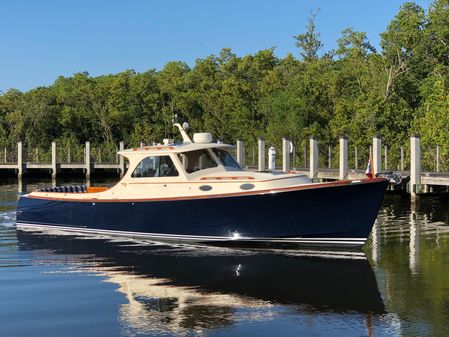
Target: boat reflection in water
[182,289]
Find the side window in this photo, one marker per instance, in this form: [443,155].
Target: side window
[155,166]
[197,160]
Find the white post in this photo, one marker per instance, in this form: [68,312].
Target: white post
[356,158]
[377,154]
[87,160]
[271,158]
[261,154]
[415,166]
[19,160]
[343,158]
[329,156]
[122,159]
[386,158]
[240,153]
[438,159]
[313,168]
[293,153]
[53,160]
[285,154]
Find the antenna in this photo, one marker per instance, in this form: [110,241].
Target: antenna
[182,129]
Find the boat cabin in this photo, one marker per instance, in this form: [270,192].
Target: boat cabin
[186,161]
[190,168]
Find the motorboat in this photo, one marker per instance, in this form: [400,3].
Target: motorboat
[195,191]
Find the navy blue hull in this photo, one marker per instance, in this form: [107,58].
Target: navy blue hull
[335,212]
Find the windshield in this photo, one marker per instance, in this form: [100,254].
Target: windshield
[193,161]
[226,159]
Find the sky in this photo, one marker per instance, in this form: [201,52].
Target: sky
[44,39]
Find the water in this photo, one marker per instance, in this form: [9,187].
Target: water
[66,285]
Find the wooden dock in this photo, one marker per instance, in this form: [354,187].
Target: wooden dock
[55,167]
[420,181]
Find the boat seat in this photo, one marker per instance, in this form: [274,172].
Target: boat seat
[65,189]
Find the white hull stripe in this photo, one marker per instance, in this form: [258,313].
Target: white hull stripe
[337,241]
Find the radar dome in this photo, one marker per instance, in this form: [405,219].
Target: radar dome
[203,137]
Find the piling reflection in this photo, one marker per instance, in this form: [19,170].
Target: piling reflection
[414,240]
[21,186]
[180,289]
[375,236]
[413,267]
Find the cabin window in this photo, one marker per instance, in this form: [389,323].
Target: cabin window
[226,158]
[197,160]
[155,166]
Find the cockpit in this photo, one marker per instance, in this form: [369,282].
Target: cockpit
[169,160]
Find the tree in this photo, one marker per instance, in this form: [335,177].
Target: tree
[405,50]
[308,42]
[173,88]
[433,124]
[437,31]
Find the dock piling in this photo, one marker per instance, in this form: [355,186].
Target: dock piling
[87,164]
[415,166]
[261,154]
[293,153]
[20,160]
[285,154]
[343,158]
[437,158]
[122,159]
[241,153]
[313,169]
[53,160]
[377,154]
